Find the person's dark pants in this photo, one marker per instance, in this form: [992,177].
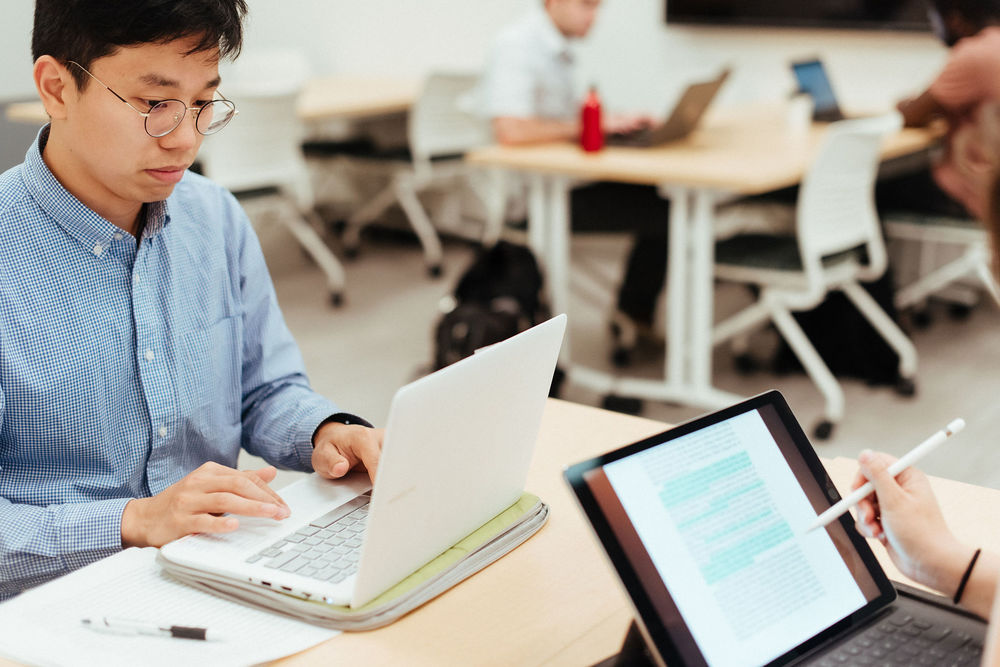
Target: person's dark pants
[645,275]
[916,192]
[605,206]
[620,207]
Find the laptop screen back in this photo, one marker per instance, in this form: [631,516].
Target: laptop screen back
[812,80]
[705,525]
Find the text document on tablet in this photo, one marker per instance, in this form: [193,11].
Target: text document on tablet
[723,518]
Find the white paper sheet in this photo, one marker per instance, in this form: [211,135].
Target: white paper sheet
[43,626]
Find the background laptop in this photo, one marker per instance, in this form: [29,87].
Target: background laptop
[457,449]
[812,80]
[681,121]
[704,525]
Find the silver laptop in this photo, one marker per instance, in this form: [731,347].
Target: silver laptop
[680,122]
[457,449]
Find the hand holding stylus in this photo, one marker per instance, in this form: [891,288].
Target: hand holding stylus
[908,459]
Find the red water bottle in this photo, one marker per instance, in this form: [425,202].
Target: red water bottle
[591,136]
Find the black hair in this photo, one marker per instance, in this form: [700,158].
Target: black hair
[85,30]
[979,13]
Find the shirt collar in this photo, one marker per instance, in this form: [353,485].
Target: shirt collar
[90,229]
[551,36]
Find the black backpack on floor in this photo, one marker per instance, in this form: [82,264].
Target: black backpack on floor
[849,345]
[499,295]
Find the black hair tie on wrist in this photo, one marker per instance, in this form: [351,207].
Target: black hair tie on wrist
[965,577]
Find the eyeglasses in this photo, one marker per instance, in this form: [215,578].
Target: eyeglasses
[164,116]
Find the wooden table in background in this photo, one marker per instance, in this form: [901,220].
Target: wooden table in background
[735,152]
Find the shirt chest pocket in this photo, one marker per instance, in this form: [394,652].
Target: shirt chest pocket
[211,375]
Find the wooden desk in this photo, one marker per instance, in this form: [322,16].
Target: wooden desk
[735,152]
[335,97]
[554,600]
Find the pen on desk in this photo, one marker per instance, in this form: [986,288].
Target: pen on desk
[121,626]
[899,466]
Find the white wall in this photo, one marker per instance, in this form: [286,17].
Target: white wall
[15,50]
[867,68]
[636,59]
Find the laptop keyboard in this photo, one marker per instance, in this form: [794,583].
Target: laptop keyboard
[639,137]
[327,549]
[902,639]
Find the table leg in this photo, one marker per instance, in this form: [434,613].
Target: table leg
[558,255]
[548,238]
[688,365]
[701,313]
[538,219]
[677,289]
[701,292]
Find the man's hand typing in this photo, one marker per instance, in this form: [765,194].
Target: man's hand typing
[195,505]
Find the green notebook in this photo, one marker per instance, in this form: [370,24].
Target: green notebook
[485,545]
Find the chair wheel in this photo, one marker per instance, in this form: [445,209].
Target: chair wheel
[959,311]
[823,430]
[336,299]
[434,271]
[746,364]
[621,357]
[906,387]
[626,404]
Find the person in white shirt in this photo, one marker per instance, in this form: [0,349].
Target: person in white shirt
[528,87]
[528,91]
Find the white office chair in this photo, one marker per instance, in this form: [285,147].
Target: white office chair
[837,244]
[258,157]
[440,131]
[930,232]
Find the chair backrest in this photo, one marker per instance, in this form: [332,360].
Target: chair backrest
[836,205]
[266,70]
[261,147]
[442,121]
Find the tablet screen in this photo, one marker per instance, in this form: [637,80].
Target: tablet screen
[712,523]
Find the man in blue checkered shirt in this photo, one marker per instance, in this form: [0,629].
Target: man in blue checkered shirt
[141,344]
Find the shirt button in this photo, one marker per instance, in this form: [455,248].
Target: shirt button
[163,431]
[98,249]
[118,236]
[149,355]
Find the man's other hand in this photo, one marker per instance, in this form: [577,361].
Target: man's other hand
[196,503]
[343,447]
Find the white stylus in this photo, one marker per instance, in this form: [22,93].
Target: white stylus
[899,466]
